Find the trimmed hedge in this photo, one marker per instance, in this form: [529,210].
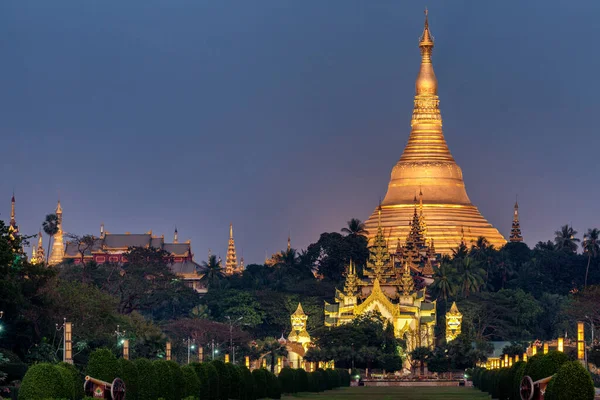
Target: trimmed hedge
[518,374]
[301,380]
[41,381]
[212,381]
[178,380]
[76,379]
[235,381]
[223,379]
[572,382]
[147,379]
[273,386]
[345,377]
[249,388]
[287,379]
[129,374]
[192,386]
[334,378]
[260,382]
[548,365]
[164,380]
[103,365]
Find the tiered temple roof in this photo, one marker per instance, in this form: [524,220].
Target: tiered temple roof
[515,231]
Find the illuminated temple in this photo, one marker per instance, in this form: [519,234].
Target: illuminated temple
[427,169]
[388,289]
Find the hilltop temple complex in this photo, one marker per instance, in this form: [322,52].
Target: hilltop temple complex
[427,169]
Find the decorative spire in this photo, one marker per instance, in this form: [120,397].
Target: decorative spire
[231,264]
[102,230]
[351,284]
[37,256]
[515,231]
[58,248]
[175,236]
[407,284]
[289,244]
[13,221]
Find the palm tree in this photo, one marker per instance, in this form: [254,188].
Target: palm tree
[591,246]
[271,347]
[471,276]
[442,281]
[213,271]
[355,227]
[565,239]
[50,227]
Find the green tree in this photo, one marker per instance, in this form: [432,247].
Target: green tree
[420,355]
[271,348]
[565,239]
[213,272]
[355,227]
[471,276]
[443,283]
[591,247]
[50,227]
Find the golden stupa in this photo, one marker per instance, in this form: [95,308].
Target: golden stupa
[428,170]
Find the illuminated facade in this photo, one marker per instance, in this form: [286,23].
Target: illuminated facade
[453,323]
[388,290]
[427,166]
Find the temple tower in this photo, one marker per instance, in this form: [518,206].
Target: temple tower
[453,323]
[515,231]
[58,247]
[427,168]
[231,264]
[13,221]
[37,255]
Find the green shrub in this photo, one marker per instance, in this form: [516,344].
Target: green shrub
[103,365]
[572,382]
[301,380]
[235,381]
[15,371]
[313,382]
[344,377]
[129,375]
[516,375]
[204,390]
[41,381]
[287,380]
[164,380]
[68,384]
[260,382]
[505,383]
[324,382]
[192,387]
[212,382]
[76,377]
[248,388]
[178,380]
[334,376]
[273,386]
[547,365]
[147,379]
[223,378]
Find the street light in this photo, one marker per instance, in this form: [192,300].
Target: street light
[191,345]
[231,348]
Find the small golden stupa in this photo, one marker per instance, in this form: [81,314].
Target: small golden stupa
[427,168]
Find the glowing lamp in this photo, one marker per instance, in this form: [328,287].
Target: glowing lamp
[545,348]
[226,357]
[561,342]
[68,342]
[533,350]
[168,351]
[126,349]
[525,356]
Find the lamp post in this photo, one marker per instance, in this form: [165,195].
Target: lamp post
[231,323]
[214,351]
[1,315]
[191,345]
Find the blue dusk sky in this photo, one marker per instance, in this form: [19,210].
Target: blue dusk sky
[286,116]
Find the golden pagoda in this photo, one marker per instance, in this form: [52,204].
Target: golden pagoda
[37,255]
[515,231]
[231,263]
[58,247]
[426,167]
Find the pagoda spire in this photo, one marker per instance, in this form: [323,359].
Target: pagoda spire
[289,244]
[13,221]
[515,231]
[58,246]
[37,255]
[231,264]
[175,236]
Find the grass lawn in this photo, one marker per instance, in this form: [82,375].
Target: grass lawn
[391,392]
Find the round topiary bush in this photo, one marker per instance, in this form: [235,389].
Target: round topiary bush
[212,382]
[68,384]
[129,374]
[147,379]
[249,389]
[518,374]
[548,365]
[572,382]
[165,386]
[76,378]
[532,364]
[178,380]
[192,385]
[344,377]
[235,381]
[301,380]
[103,365]
[42,381]
[322,379]
[505,383]
[287,379]
[273,386]
[260,382]
[223,378]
